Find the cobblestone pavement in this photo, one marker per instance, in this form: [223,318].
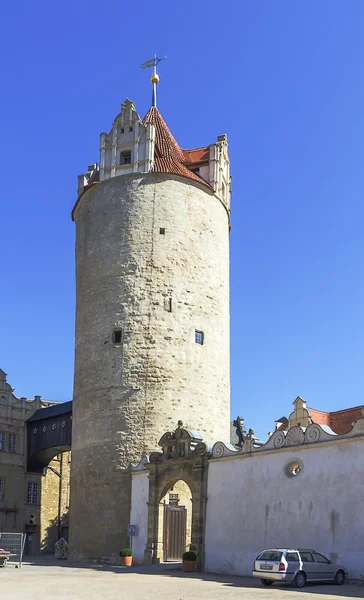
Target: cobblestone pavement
[39,582]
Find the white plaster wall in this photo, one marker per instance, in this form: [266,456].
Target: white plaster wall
[253,505]
[139,514]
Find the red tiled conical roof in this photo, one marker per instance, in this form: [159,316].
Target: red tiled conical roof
[168,156]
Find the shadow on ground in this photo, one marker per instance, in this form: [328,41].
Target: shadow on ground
[348,590]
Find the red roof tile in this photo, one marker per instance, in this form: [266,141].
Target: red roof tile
[197,155]
[340,421]
[320,417]
[169,157]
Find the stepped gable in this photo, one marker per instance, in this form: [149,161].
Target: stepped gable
[168,156]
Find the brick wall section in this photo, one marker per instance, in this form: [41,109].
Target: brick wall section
[125,270]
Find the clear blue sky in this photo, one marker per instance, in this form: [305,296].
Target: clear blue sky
[285,81]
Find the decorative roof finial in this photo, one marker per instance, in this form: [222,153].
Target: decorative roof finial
[154,78]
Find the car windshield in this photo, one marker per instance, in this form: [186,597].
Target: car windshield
[273,555]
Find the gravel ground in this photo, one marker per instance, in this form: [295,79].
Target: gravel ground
[51,580]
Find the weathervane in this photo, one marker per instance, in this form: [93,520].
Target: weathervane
[154,78]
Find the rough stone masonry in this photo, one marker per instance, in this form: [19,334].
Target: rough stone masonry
[152,279]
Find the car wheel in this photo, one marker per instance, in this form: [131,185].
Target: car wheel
[300,580]
[339,578]
[266,581]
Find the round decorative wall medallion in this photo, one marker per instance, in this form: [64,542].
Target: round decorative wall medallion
[35,431]
[63,423]
[44,428]
[54,426]
[293,468]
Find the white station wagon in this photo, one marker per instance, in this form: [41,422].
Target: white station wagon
[296,566]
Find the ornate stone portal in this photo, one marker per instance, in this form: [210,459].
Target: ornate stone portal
[184,457]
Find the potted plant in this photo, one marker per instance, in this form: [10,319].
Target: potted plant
[126,557]
[189,560]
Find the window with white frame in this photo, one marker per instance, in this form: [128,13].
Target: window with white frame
[2,488]
[33,492]
[2,440]
[12,442]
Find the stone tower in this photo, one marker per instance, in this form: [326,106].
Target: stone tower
[152,314]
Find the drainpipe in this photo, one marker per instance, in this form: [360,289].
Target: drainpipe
[60,496]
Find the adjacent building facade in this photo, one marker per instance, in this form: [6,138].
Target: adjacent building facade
[29,502]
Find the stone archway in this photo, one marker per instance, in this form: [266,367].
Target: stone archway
[175,521]
[183,458]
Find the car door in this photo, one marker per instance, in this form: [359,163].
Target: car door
[324,566]
[293,563]
[309,566]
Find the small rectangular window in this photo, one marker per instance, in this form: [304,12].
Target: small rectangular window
[121,129]
[199,337]
[292,557]
[130,128]
[270,555]
[12,442]
[162,230]
[321,559]
[117,336]
[306,556]
[2,440]
[125,157]
[168,304]
[33,493]
[2,488]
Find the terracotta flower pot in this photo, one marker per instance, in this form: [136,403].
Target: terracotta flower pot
[188,566]
[126,561]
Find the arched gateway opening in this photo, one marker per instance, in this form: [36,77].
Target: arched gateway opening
[175,521]
[176,497]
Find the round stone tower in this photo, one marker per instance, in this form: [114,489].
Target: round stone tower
[152,314]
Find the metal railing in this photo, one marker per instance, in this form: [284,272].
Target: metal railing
[13,543]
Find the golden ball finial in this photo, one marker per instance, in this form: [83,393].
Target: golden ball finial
[154,78]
